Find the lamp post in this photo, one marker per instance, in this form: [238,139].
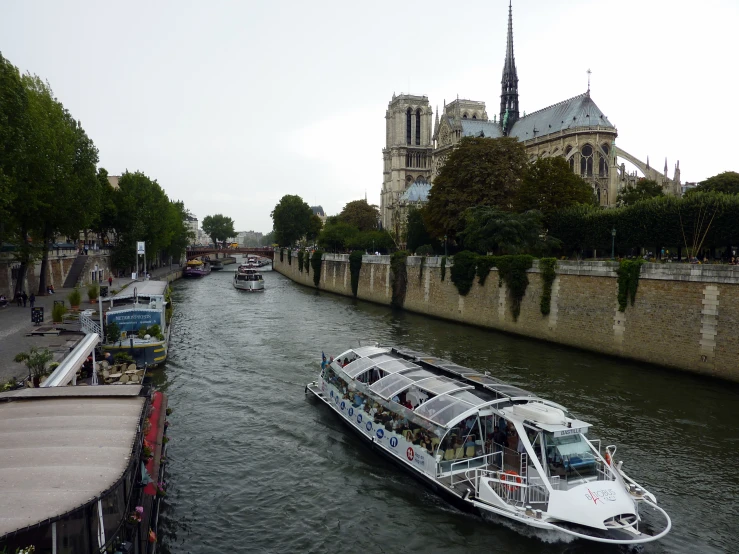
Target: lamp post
[444,245]
[613,243]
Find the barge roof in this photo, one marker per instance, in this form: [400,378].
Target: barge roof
[60,448]
[142,288]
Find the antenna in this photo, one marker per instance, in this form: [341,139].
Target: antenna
[589,73]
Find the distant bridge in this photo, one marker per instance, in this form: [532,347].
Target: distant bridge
[196,252]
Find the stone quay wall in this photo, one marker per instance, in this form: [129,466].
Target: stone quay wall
[684,316]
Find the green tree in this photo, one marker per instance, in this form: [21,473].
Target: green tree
[180,234]
[314,229]
[478,172]
[726,182]
[268,239]
[643,190]
[550,185]
[361,215]
[490,229]
[337,236]
[416,232]
[218,227]
[291,219]
[106,216]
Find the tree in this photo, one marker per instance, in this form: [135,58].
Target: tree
[361,215]
[478,172]
[268,239]
[490,229]
[218,227]
[337,236]
[726,182]
[643,190]
[180,233]
[314,228]
[550,185]
[291,219]
[416,232]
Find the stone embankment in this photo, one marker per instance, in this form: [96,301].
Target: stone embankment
[684,316]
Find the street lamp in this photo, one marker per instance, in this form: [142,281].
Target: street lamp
[444,245]
[613,242]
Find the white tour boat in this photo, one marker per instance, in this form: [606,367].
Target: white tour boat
[248,279]
[489,447]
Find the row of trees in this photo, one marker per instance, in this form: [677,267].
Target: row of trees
[50,185]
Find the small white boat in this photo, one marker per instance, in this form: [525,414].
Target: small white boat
[248,279]
[489,447]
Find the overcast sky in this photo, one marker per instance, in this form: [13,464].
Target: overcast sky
[231,105]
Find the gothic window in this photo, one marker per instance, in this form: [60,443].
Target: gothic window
[464,116]
[418,126]
[474,116]
[586,161]
[408,126]
[568,150]
[603,161]
[407,159]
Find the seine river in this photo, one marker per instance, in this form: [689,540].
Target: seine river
[256,466]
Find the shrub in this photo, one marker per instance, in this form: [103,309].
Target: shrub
[290,256]
[122,358]
[547,265]
[57,312]
[154,330]
[628,281]
[355,266]
[113,332]
[35,360]
[512,270]
[398,277]
[75,297]
[463,271]
[300,262]
[306,262]
[93,291]
[425,250]
[443,267]
[484,265]
[141,333]
[316,263]
[282,255]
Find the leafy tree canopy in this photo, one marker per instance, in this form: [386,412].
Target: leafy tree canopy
[291,219]
[478,172]
[550,185]
[643,190]
[218,227]
[490,229]
[337,236]
[416,233]
[314,228]
[361,215]
[726,182]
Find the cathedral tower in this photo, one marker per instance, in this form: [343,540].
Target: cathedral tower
[509,83]
[407,152]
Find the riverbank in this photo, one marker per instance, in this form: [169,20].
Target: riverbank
[16,325]
[683,317]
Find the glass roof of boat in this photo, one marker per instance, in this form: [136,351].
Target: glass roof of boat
[389,386]
[396,365]
[358,366]
[365,351]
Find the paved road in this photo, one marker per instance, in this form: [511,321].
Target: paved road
[15,324]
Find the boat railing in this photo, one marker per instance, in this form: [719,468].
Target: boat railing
[487,460]
[88,325]
[510,487]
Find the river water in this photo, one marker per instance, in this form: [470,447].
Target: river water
[256,466]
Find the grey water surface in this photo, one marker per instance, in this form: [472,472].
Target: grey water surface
[256,466]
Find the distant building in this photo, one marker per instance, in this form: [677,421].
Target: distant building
[192,224]
[113,180]
[318,210]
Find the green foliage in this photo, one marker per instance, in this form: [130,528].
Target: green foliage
[306,261]
[398,277]
[337,235]
[726,182]
[416,233]
[218,227]
[75,297]
[35,360]
[361,215]
[122,358]
[463,271]
[289,256]
[93,291]
[316,263]
[512,271]
[57,312]
[282,255]
[484,265]
[300,261]
[154,330]
[113,332]
[478,172]
[291,219]
[490,229]
[420,269]
[443,267]
[141,333]
[628,281]
[550,185]
[548,274]
[425,250]
[643,190]
[355,266]
[314,228]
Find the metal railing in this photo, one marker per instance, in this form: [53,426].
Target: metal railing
[88,325]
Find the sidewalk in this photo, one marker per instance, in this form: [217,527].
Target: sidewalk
[15,324]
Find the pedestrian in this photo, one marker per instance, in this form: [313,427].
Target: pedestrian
[110,281]
[19,299]
[25,298]
[32,300]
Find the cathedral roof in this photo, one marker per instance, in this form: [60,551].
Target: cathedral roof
[473,128]
[579,111]
[417,192]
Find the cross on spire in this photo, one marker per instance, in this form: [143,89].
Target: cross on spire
[589,73]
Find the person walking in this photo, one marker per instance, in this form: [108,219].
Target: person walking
[32,300]
[25,298]
[110,280]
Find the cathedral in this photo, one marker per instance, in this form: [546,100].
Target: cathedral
[417,145]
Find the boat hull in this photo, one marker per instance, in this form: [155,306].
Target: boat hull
[149,355]
[249,286]
[188,272]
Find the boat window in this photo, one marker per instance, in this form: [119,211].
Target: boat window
[442,409]
[569,456]
[358,366]
[450,413]
[395,366]
[471,397]
[441,385]
[391,385]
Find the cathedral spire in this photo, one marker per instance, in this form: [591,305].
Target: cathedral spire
[509,83]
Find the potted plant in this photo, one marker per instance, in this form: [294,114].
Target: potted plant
[35,360]
[57,312]
[75,297]
[93,291]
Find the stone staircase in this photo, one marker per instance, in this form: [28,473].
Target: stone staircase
[73,277]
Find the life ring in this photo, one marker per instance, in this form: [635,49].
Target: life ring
[509,476]
[608,457]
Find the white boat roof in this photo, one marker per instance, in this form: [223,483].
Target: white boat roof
[142,288]
[453,399]
[61,447]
